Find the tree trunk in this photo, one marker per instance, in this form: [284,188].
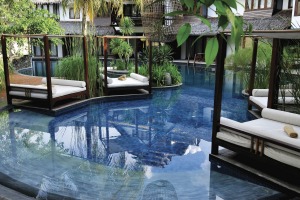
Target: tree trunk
[84,18]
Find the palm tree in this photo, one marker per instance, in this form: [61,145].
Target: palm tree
[91,7]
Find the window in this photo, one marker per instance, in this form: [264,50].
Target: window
[55,9]
[39,52]
[297,8]
[73,15]
[131,10]
[290,5]
[258,4]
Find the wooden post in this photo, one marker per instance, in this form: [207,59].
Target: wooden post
[6,70]
[86,66]
[136,57]
[274,74]
[150,66]
[252,72]
[105,46]
[218,91]
[48,71]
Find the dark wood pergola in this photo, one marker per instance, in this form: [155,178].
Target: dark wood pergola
[50,101]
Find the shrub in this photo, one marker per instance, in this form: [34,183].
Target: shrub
[72,68]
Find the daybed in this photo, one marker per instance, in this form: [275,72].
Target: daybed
[134,81]
[259,98]
[264,137]
[61,89]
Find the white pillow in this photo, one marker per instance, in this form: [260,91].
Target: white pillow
[55,81]
[281,116]
[139,77]
[109,80]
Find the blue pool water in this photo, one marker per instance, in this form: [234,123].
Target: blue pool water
[155,148]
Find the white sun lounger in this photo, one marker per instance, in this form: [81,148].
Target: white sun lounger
[264,137]
[259,98]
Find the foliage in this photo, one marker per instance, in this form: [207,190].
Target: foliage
[160,55]
[71,68]
[126,26]
[122,49]
[158,73]
[21,17]
[121,65]
[224,10]
[240,62]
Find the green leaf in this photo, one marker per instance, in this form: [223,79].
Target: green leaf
[183,33]
[231,3]
[220,7]
[211,50]
[189,3]
[208,2]
[176,13]
[204,20]
[223,22]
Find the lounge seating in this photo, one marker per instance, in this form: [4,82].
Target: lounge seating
[259,98]
[134,81]
[60,89]
[264,137]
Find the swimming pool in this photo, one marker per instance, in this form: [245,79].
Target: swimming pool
[153,148]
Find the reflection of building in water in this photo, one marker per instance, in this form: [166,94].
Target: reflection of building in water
[160,189]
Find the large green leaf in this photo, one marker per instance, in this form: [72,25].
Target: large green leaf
[231,3]
[220,7]
[183,33]
[208,2]
[189,3]
[211,50]
[223,22]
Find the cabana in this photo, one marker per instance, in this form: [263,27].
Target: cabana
[261,141]
[50,90]
[273,96]
[135,81]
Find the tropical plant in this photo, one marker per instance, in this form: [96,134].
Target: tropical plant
[72,68]
[126,26]
[2,78]
[122,49]
[160,55]
[240,62]
[225,11]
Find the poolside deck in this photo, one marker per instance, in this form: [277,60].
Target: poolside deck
[266,174]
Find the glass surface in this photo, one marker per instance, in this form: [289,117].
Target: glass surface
[155,148]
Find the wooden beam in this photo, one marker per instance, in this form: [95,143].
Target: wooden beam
[218,91]
[6,69]
[48,71]
[136,57]
[150,66]
[86,66]
[252,71]
[105,49]
[274,74]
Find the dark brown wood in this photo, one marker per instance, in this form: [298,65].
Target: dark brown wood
[136,57]
[150,67]
[86,65]
[105,49]
[6,70]
[274,75]
[252,72]
[48,70]
[218,91]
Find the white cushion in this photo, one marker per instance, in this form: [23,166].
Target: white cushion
[109,80]
[281,116]
[55,81]
[34,88]
[265,92]
[129,82]
[139,77]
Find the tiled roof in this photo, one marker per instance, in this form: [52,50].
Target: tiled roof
[74,28]
[279,21]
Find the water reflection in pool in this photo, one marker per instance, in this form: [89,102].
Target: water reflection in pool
[143,149]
